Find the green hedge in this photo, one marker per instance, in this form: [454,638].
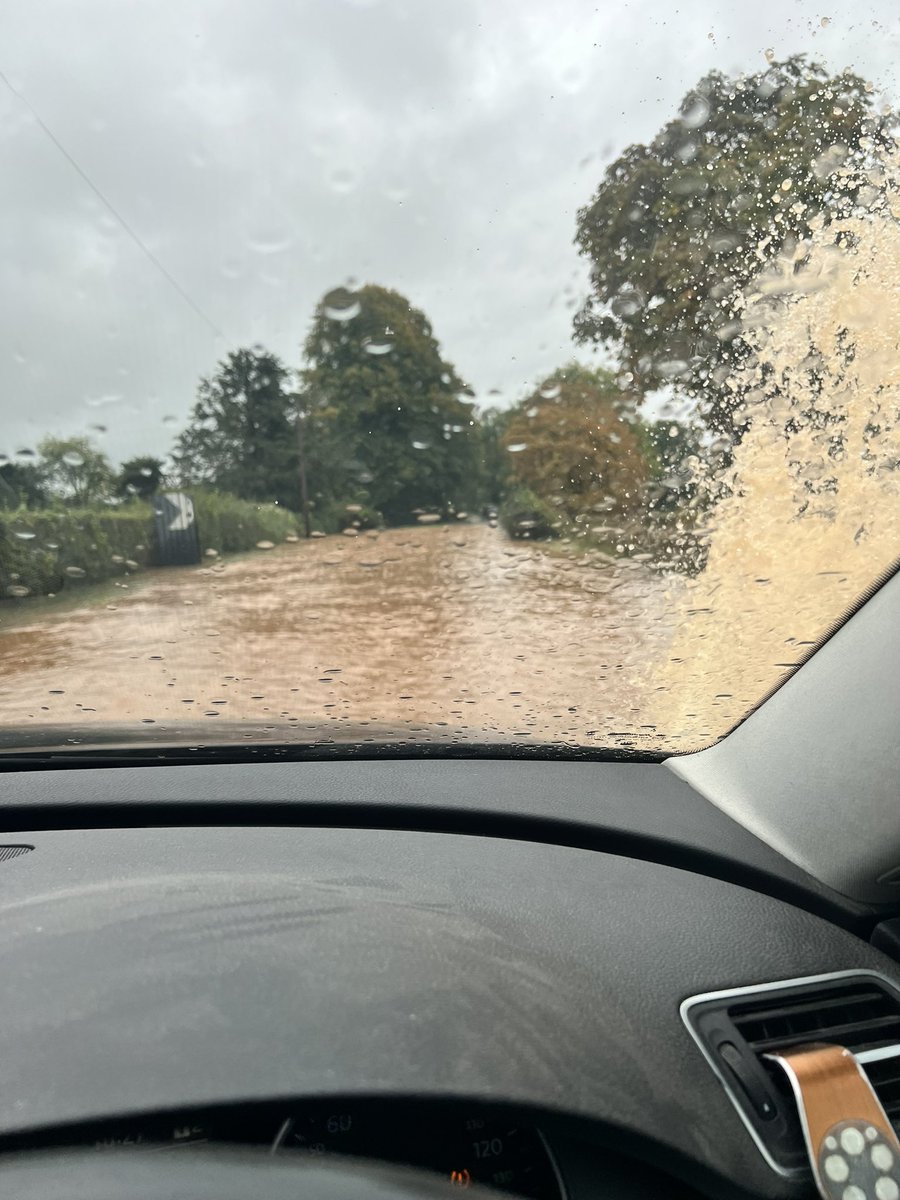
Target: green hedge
[523,514]
[231,526]
[47,551]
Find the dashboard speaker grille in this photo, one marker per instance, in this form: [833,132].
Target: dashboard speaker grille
[13,851]
[735,1029]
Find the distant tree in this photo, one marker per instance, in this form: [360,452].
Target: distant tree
[395,406]
[74,471]
[679,226]
[576,442]
[140,477]
[241,436]
[22,485]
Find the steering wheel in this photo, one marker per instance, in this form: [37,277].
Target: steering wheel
[227,1174]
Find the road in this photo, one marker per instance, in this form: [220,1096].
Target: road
[434,632]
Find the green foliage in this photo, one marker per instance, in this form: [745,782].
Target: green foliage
[242,434]
[231,526]
[22,485]
[74,471]
[392,404]
[674,230]
[523,514]
[494,461]
[140,477]
[576,443]
[48,551]
[333,516]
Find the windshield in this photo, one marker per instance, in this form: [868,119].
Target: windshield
[440,373]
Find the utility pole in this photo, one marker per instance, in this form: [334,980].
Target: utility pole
[301,451]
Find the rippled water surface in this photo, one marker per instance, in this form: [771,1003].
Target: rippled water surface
[449,631]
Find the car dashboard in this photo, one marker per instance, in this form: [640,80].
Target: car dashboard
[398,961]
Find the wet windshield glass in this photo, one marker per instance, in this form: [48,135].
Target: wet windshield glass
[440,373]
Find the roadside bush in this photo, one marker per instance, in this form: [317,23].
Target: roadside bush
[525,515]
[334,516]
[230,525]
[45,551]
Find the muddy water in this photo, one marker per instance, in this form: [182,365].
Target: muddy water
[438,632]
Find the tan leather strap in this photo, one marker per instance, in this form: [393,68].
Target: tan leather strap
[852,1147]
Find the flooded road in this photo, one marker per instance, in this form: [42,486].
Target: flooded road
[434,632]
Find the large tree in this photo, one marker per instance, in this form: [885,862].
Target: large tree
[140,477]
[679,226]
[74,470]
[397,408]
[577,443]
[242,431]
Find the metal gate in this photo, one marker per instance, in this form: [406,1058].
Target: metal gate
[177,541]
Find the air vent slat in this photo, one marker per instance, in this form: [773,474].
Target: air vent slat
[856,1035]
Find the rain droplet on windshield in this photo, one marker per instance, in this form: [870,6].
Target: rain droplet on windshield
[695,111]
[341,305]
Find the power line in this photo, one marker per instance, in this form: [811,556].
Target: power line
[132,233]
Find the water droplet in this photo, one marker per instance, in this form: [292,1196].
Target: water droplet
[377,346]
[75,572]
[629,301]
[770,55]
[517,447]
[428,518]
[23,533]
[825,22]
[695,111]
[264,545]
[550,391]
[341,305]
[671,368]
[25,452]
[419,445]
[17,591]
[104,400]
[73,459]
[270,243]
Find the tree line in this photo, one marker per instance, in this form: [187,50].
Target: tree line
[376,422]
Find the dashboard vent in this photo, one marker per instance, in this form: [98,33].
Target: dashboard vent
[13,851]
[736,1029]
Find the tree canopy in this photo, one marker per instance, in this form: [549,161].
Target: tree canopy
[576,442]
[397,408]
[74,470]
[140,477]
[677,227]
[241,435]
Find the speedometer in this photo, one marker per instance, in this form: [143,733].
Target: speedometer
[465,1145]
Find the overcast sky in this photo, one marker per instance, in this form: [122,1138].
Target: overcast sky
[265,151]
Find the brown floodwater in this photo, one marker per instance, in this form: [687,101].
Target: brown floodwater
[448,631]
